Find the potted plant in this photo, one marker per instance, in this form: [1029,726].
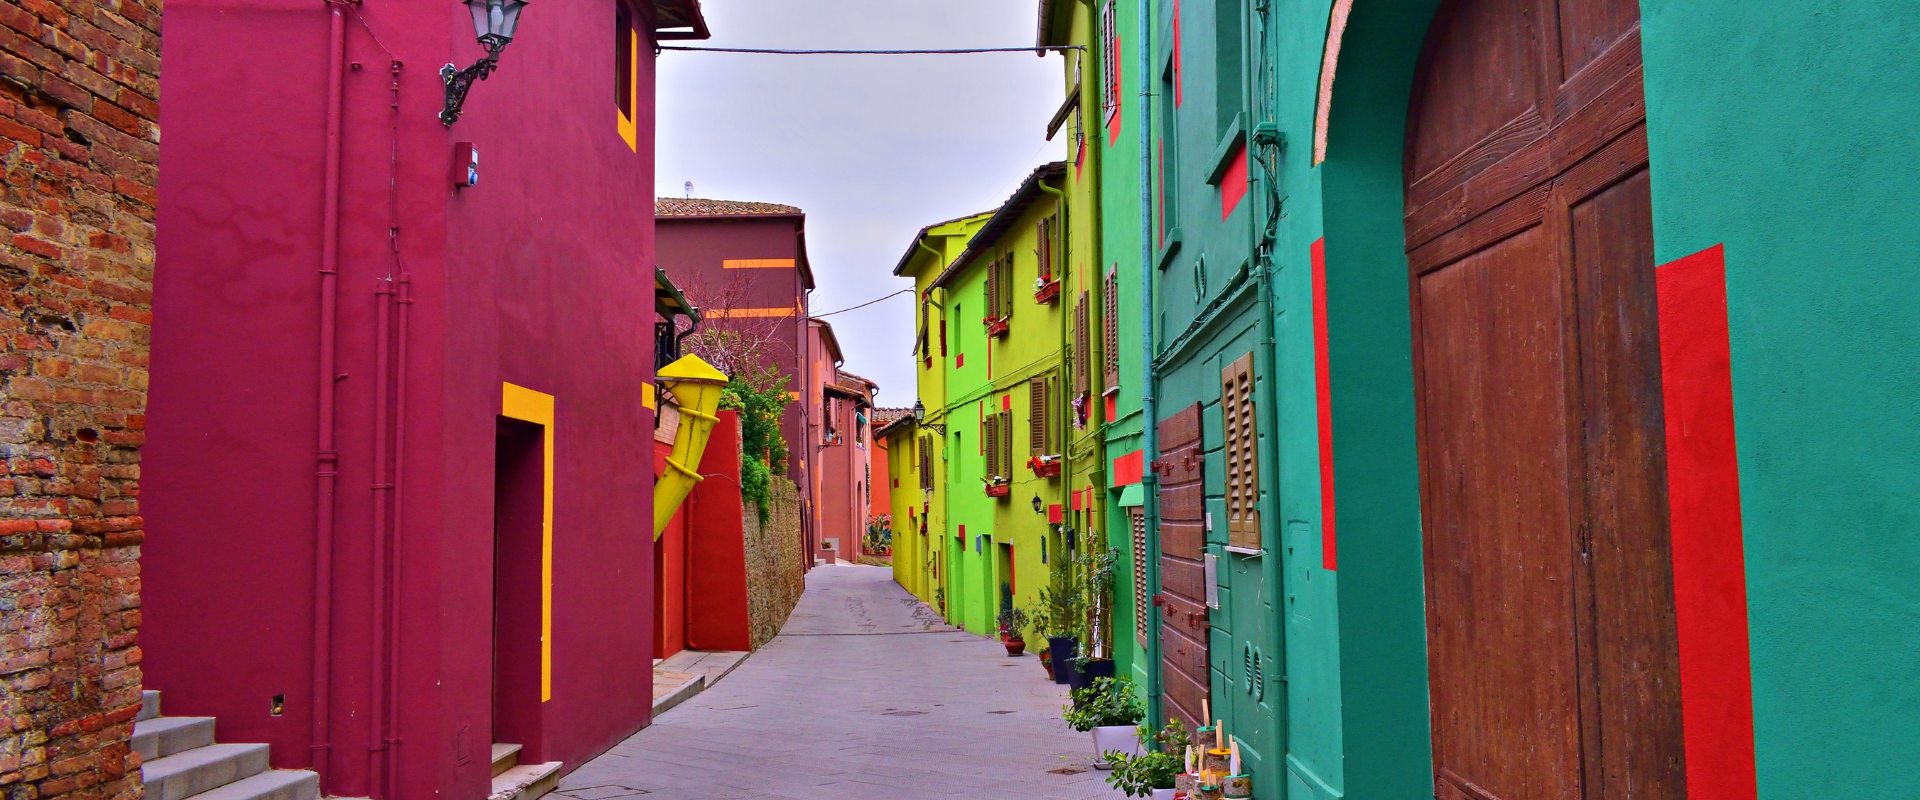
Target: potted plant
[1109,711]
[1151,774]
[1012,621]
[1093,572]
[1059,616]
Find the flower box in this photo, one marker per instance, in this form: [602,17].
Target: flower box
[1045,466]
[997,327]
[999,489]
[1047,292]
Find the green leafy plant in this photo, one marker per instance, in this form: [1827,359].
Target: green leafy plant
[1013,620]
[1108,702]
[1062,601]
[1138,776]
[760,395]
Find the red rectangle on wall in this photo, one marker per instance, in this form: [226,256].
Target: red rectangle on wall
[1709,555]
[1128,469]
[1233,183]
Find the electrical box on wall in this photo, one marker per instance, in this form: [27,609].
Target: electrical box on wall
[466,165]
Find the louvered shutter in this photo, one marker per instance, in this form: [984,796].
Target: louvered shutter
[926,463]
[1141,607]
[994,276]
[1242,454]
[992,441]
[1037,416]
[1110,327]
[1006,287]
[1046,247]
[1081,379]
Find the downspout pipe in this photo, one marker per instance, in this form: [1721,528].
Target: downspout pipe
[1264,225]
[395,599]
[1066,378]
[326,456]
[1149,419]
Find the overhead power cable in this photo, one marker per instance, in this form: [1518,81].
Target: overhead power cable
[865,304]
[1037,50]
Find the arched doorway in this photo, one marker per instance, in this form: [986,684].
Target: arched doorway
[1553,666]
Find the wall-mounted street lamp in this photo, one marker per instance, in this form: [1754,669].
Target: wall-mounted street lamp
[1038,506]
[920,417]
[493,24]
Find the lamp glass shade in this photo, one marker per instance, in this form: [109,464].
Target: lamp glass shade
[497,18]
[919,411]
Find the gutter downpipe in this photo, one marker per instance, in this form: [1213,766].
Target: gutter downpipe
[379,760]
[1066,347]
[394,602]
[326,457]
[1265,225]
[1149,430]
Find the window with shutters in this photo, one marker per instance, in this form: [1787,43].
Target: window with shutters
[1082,366]
[1242,454]
[1039,427]
[926,332]
[926,464]
[991,439]
[1006,444]
[1110,46]
[993,292]
[1141,605]
[1046,248]
[1110,329]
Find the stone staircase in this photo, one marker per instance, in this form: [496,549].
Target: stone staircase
[514,781]
[179,759]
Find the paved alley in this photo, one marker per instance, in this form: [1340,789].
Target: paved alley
[864,694]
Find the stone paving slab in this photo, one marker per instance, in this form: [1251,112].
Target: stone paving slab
[864,694]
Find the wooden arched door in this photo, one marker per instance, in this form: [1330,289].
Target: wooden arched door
[1550,619]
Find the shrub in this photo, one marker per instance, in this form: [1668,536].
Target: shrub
[1108,702]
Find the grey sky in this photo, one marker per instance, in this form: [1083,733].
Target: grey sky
[873,147]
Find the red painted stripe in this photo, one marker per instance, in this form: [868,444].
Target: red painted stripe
[1119,102]
[1176,54]
[1709,559]
[1128,469]
[1323,387]
[1233,183]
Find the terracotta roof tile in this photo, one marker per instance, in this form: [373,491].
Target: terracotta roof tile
[697,207]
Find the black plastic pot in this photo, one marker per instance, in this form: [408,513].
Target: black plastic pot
[1084,677]
[1062,650]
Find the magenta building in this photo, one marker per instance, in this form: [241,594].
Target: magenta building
[398,480]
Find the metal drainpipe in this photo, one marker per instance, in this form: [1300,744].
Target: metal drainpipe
[1149,434]
[326,458]
[394,602]
[1066,346]
[382,494]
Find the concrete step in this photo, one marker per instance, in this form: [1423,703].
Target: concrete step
[274,784]
[164,736]
[673,688]
[505,757]
[183,775]
[527,782]
[149,705]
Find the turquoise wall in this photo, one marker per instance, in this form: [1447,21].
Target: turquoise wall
[1787,130]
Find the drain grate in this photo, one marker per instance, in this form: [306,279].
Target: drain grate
[999,712]
[902,713]
[1066,770]
[612,791]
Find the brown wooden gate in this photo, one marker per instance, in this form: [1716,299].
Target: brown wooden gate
[1529,239]
[1183,626]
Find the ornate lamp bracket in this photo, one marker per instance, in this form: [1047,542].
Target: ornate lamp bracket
[459,81]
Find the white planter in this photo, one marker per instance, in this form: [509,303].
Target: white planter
[1163,794]
[1108,738]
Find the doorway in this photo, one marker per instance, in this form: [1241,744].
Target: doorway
[1553,662]
[518,509]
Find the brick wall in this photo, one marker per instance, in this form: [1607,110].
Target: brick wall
[79,143]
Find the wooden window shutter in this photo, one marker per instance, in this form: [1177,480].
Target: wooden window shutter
[1037,415]
[1242,454]
[992,440]
[993,290]
[1006,287]
[1141,606]
[1110,327]
[1046,247]
[1081,369]
[926,463]
[926,333]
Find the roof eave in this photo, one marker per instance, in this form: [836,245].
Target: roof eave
[994,228]
[694,28]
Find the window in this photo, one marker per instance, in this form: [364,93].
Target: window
[1110,328]
[1227,66]
[1169,151]
[626,73]
[1006,444]
[1039,422]
[1110,46]
[926,463]
[1242,454]
[926,332]
[1046,248]
[991,438]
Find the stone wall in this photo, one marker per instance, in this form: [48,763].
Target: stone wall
[79,145]
[775,577]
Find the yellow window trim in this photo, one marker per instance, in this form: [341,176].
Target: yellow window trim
[527,405]
[630,132]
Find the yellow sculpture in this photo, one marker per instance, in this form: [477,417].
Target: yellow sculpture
[696,387]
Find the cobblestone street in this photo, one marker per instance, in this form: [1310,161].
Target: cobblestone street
[864,694]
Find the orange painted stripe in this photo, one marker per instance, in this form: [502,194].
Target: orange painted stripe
[744,313]
[757,263]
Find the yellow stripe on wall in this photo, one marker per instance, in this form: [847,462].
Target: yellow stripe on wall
[647,397]
[757,263]
[742,313]
[527,405]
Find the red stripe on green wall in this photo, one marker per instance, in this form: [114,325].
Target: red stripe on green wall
[1323,387]
[1233,183]
[1709,559]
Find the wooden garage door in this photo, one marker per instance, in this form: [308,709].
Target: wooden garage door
[1184,627]
[1529,237]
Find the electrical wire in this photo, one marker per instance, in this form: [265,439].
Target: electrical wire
[865,304]
[953,51]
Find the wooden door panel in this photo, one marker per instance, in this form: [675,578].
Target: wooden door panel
[1487,80]
[1184,629]
[1552,652]
[1637,691]
[1500,571]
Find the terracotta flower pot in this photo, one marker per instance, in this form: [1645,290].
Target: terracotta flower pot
[1046,661]
[1015,647]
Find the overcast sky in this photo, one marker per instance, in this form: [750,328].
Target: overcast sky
[872,147]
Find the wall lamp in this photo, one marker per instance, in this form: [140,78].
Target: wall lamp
[493,24]
[920,416]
